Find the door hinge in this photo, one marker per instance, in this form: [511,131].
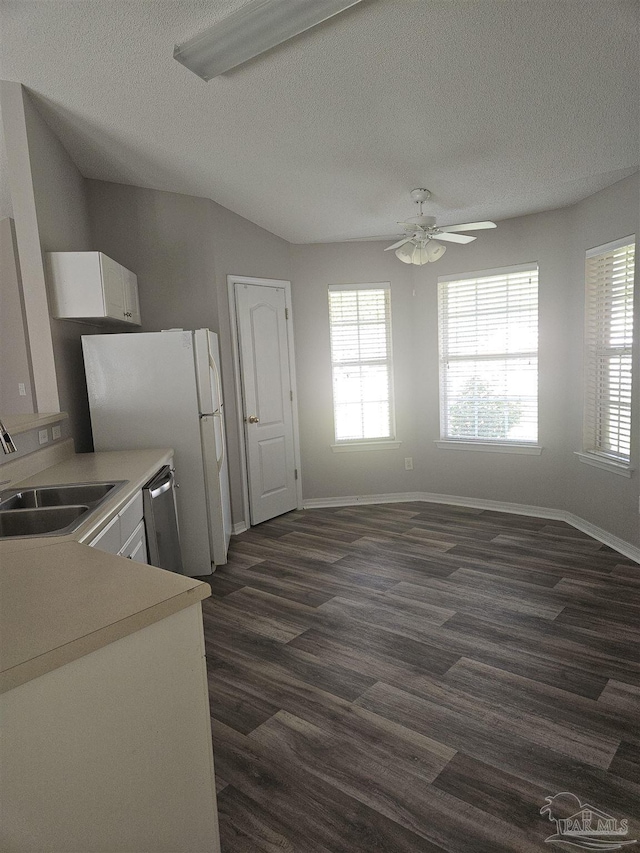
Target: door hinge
[286,313]
[296,473]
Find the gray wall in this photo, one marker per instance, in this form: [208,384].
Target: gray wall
[328,474]
[240,248]
[62,214]
[63,222]
[182,248]
[14,357]
[15,103]
[604,498]
[557,241]
[165,238]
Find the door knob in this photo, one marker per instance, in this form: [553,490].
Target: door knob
[252,419]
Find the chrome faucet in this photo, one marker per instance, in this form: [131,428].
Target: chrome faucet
[5,440]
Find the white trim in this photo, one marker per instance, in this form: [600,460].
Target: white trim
[383,444]
[615,542]
[463,276]
[388,362]
[239,528]
[598,461]
[371,285]
[610,247]
[491,447]
[232,281]
[620,545]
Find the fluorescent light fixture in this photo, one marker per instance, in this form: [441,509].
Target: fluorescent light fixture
[257,26]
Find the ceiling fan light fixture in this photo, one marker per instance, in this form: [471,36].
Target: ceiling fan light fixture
[405,253]
[434,250]
[251,30]
[420,252]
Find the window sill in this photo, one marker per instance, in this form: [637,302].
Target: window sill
[597,461]
[491,447]
[347,446]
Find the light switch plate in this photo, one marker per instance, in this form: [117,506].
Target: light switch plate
[43,436]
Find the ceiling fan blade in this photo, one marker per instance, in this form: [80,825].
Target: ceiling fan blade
[399,243]
[454,238]
[368,239]
[411,226]
[468,226]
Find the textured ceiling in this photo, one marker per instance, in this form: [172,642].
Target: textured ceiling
[500,107]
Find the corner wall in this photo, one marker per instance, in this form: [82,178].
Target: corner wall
[14,356]
[182,248]
[51,214]
[603,498]
[63,223]
[556,240]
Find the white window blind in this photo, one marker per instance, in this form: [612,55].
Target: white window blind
[360,323]
[608,344]
[489,356]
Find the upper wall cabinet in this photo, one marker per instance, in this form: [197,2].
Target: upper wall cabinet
[90,286]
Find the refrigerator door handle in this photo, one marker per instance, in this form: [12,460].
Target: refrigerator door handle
[214,367]
[221,459]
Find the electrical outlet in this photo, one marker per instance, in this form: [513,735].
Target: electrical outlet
[43,436]
[408,463]
[22,389]
[56,432]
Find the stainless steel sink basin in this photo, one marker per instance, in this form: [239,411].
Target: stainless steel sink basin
[42,521]
[51,510]
[80,493]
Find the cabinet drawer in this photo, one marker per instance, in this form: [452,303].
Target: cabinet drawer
[130,516]
[109,539]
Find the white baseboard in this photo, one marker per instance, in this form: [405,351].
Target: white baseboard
[238,528]
[603,536]
[620,545]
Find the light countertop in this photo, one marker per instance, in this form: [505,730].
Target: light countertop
[16,424]
[60,599]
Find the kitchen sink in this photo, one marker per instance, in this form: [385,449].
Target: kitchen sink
[51,510]
[42,521]
[43,496]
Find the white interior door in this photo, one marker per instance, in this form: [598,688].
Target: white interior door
[267,399]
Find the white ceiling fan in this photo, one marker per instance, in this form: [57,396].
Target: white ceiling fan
[421,242]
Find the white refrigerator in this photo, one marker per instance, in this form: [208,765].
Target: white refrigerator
[163,389]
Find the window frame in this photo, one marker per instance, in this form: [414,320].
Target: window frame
[362,444]
[497,445]
[594,410]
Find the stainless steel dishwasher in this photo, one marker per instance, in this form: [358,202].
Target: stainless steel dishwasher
[161,521]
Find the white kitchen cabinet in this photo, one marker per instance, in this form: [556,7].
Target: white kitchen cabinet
[109,538]
[124,534]
[112,751]
[131,301]
[135,548]
[91,287]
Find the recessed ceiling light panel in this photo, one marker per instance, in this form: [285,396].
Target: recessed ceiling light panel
[257,26]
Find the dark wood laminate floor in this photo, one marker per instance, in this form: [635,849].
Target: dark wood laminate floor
[418,677]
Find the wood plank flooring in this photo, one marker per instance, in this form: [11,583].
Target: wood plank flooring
[417,678]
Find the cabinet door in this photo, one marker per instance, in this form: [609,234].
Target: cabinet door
[109,539]
[113,288]
[136,546]
[131,303]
